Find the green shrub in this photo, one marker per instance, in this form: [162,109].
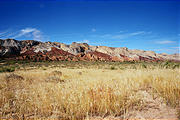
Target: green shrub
[175,66]
[144,66]
[113,68]
[7,69]
[170,65]
[133,67]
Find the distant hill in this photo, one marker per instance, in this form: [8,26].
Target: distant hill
[42,51]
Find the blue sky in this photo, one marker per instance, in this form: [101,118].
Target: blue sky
[146,25]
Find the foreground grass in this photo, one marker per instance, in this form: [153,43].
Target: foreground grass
[83,93]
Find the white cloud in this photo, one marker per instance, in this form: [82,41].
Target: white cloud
[93,30]
[122,36]
[37,35]
[83,41]
[30,32]
[176,48]
[137,33]
[5,33]
[106,35]
[26,33]
[121,31]
[165,42]
[86,41]
[168,50]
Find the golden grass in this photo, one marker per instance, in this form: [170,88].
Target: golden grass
[94,92]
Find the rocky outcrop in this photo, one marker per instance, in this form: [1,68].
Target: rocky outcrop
[42,51]
[10,47]
[95,56]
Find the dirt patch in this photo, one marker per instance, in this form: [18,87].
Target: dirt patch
[154,108]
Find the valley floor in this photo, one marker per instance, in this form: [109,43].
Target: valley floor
[91,92]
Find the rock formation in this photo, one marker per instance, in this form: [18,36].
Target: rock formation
[42,51]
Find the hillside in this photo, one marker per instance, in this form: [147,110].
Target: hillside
[42,51]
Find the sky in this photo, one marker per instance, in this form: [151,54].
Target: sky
[136,24]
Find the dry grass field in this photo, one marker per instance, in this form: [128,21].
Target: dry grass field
[92,92]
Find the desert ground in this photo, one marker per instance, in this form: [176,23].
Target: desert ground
[89,90]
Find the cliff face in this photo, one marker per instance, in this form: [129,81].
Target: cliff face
[35,50]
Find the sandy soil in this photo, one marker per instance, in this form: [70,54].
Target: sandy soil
[154,108]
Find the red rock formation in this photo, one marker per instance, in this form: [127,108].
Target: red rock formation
[116,59]
[58,52]
[93,56]
[38,51]
[29,53]
[125,58]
